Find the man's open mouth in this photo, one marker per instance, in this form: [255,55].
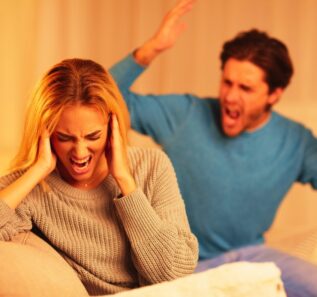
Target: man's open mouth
[233,114]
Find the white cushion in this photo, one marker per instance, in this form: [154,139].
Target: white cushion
[239,279]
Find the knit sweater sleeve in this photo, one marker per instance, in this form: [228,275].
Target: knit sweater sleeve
[13,221]
[159,116]
[163,247]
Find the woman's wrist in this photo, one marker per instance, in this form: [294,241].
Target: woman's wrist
[127,185]
[39,171]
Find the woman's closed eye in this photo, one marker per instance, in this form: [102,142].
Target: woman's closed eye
[90,137]
[93,138]
[64,138]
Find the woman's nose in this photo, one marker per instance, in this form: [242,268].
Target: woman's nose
[80,150]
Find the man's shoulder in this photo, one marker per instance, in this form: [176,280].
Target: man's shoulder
[293,129]
[280,119]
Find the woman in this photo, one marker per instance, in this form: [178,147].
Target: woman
[113,213]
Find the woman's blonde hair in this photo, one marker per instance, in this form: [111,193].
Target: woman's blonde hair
[72,81]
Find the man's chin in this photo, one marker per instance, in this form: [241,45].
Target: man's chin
[231,132]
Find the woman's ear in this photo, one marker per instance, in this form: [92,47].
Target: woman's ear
[274,97]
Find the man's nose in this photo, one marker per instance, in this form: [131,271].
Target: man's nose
[232,95]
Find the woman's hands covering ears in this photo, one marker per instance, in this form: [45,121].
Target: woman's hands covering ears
[117,158]
[46,159]
[45,163]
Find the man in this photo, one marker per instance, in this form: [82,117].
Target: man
[235,158]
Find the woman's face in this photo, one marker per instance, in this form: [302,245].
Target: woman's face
[79,141]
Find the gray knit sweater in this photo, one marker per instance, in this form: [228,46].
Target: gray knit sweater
[112,243]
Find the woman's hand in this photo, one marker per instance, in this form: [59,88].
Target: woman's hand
[117,158]
[46,160]
[14,193]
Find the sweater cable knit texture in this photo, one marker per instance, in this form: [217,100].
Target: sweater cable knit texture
[112,243]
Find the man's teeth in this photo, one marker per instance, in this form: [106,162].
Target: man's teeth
[233,114]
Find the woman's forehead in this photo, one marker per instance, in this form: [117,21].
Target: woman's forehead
[83,118]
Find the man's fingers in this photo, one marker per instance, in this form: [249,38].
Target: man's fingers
[178,11]
[183,7]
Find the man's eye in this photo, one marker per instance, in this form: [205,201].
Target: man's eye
[246,89]
[227,83]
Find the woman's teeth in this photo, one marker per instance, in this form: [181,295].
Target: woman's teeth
[81,163]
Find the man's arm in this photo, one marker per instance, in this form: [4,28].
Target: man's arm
[309,166]
[156,115]
[127,71]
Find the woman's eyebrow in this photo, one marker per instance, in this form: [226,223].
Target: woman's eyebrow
[63,134]
[91,134]
[95,133]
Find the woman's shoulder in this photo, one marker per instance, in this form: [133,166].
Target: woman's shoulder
[150,167]
[148,157]
[150,153]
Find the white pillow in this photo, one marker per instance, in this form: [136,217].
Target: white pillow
[239,279]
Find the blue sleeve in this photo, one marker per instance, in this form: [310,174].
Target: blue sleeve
[159,116]
[309,168]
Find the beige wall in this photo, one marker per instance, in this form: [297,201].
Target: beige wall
[38,33]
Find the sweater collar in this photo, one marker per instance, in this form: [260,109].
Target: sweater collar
[108,186]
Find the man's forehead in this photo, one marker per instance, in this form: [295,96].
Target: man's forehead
[244,71]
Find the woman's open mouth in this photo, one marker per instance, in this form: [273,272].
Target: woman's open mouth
[80,166]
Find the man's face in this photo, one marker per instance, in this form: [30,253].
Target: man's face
[244,97]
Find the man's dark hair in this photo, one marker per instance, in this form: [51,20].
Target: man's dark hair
[268,53]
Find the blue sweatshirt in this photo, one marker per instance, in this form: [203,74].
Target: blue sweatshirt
[232,187]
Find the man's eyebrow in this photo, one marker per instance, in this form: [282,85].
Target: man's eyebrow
[246,85]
